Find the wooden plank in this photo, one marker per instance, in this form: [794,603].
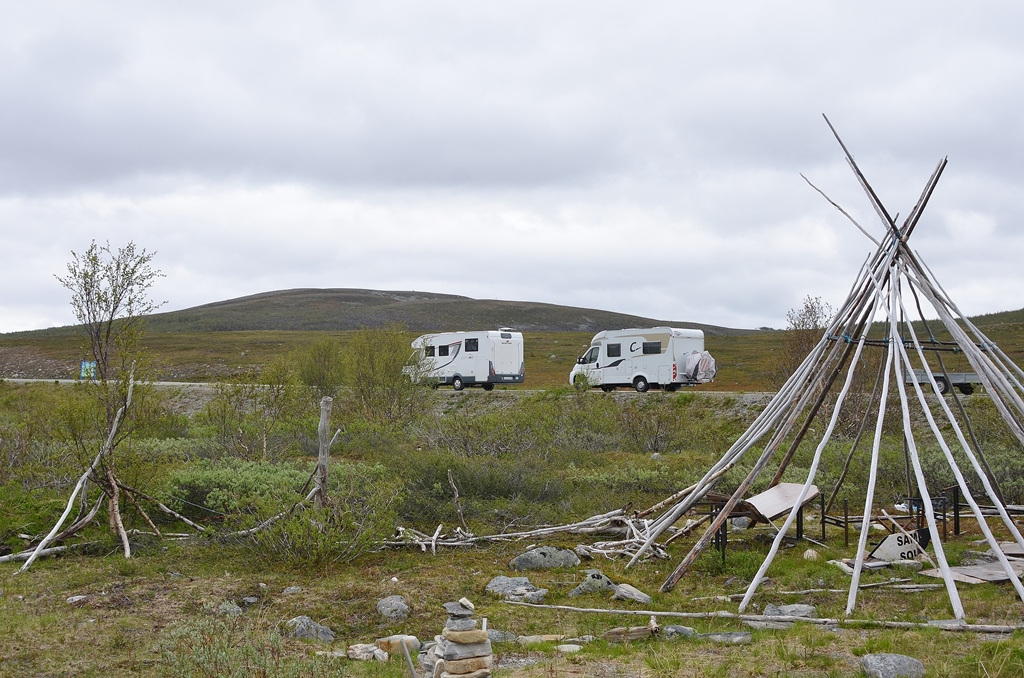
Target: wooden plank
[780,500]
[1011,549]
[957,576]
[976,574]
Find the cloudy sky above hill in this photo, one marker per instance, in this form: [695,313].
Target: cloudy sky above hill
[641,158]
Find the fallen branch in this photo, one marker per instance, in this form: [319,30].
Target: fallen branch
[160,506]
[611,521]
[53,550]
[822,621]
[273,519]
[107,446]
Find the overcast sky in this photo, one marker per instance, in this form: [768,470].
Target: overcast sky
[635,157]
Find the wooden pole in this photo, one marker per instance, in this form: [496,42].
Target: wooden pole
[324,458]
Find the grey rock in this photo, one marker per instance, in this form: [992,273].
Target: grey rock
[175,575]
[535,596]
[75,599]
[393,608]
[545,558]
[366,652]
[594,581]
[292,590]
[677,631]
[461,624]
[583,553]
[740,523]
[580,640]
[891,666]
[657,456]
[794,610]
[497,636]
[456,651]
[628,592]
[457,610]
[730,638]
[304,628]
[250,600]
[568,648]
[517,589]
[501,584]
[229,608]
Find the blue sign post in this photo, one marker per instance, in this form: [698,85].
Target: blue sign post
[88,370]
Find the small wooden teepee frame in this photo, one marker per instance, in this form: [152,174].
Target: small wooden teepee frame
[878,292]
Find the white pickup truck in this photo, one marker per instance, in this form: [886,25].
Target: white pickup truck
[963,381]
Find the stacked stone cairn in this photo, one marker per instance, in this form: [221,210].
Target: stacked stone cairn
[462,650]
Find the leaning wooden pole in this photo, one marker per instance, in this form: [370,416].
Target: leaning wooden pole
[929,511]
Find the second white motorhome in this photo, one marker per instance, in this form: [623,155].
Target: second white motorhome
[661,357]
[464,359]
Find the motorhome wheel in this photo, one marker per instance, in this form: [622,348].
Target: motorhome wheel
[457,383]
[607,389]
[641,385]
[942,384]
[488,387]
[966,389]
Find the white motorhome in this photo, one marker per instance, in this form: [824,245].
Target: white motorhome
[662,357]
[464,359]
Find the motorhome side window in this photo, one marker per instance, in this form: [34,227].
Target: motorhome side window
[472,345]
[614,350]
[506,335]
[442,350]
[591,355]
[652,347]
[428,351]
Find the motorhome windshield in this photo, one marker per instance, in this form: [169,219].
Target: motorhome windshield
[590,356]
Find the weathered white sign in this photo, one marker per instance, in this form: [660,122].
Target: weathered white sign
[901,546]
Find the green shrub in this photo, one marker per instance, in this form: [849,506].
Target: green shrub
[492,488]
[361,511]
[232,487]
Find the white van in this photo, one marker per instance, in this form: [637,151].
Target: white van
[663,357]
[466,359]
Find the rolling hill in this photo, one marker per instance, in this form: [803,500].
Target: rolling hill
[350,309]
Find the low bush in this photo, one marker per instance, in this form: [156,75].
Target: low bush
[233,488]
[361,511]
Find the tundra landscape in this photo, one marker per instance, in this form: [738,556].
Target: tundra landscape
[213,597]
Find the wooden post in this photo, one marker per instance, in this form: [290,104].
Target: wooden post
[956,510]
[324,431]
[822,518]
[846,521]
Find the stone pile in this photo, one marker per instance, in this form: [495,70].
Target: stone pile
[462,650]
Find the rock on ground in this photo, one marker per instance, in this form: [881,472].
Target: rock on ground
[628,592]
[393,608]
[305,628]
[545,558]
[675,630]
[730,638]
[794,610]
[518,589]
[594,581]
[891,666]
